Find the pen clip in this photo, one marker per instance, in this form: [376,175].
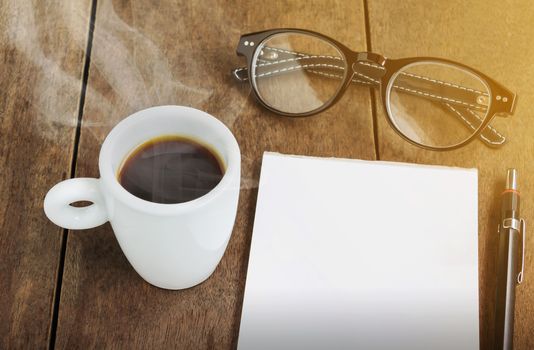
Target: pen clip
[523,231]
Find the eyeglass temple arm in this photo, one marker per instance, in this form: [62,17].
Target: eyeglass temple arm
[453,97]
[274,61]
[489,135]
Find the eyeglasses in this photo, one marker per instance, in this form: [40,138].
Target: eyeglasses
[433,103]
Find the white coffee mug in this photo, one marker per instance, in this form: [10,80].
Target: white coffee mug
[172,246]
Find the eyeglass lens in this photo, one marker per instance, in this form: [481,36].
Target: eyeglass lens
[436,104]
[293,72]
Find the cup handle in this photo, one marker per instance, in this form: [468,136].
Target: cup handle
[58,209]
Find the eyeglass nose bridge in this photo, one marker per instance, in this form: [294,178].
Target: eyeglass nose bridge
[368,66]
[369,57]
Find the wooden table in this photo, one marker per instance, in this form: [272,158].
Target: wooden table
[71,70]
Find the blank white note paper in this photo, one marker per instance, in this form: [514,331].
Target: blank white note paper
[350,254]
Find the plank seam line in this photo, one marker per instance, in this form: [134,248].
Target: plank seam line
[81,104]
[371,92]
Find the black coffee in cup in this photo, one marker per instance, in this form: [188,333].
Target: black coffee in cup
[171,169]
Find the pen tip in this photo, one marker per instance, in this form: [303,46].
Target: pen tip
[511,179]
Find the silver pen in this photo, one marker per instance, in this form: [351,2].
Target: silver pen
[511,228]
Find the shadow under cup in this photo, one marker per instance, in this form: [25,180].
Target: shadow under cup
[172,246]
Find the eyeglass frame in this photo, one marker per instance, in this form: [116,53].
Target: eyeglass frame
[501,100]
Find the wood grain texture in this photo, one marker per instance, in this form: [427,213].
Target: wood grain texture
[42,54]
[494,37]
[149,53]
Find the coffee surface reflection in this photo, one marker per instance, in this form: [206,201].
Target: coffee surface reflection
[171,169]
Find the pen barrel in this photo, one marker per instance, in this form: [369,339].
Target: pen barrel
[510,205]
[505,291]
